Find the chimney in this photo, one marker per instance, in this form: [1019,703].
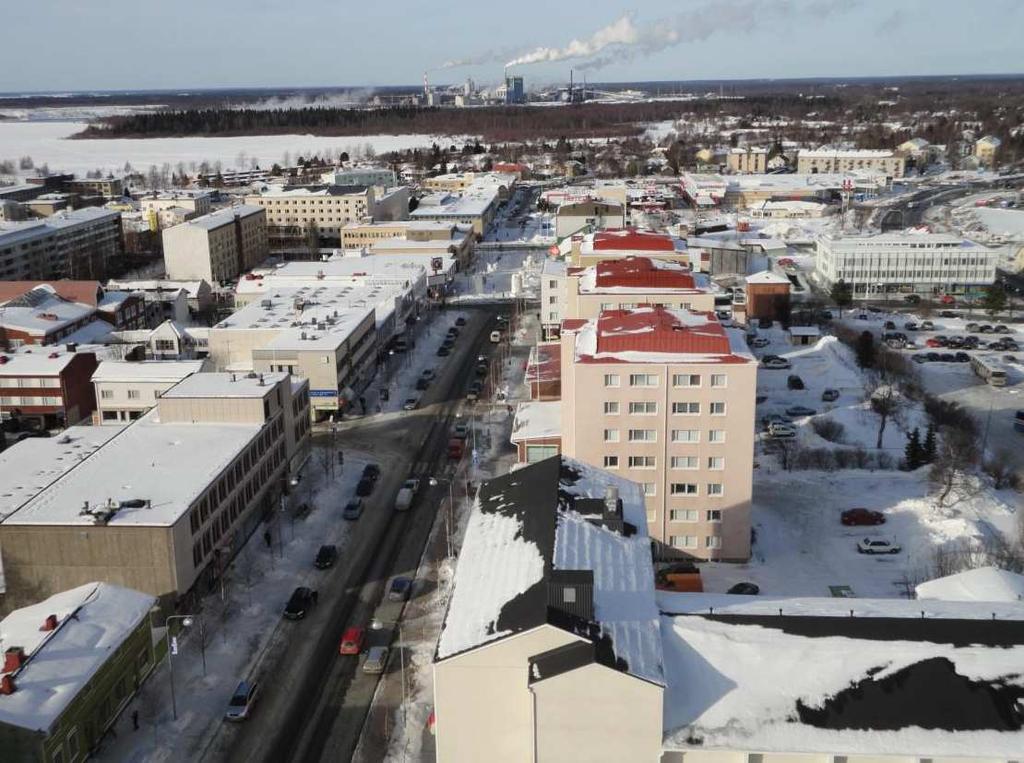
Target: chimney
[261,380]
[14,658]
[50,623]
[612,505]
[6,685]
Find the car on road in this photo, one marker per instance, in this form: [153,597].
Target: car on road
[857,517]
[302,600]
[400,589]
[775,363]
[781,431]
[878,546]
[947,299]
[411,404]
[326,556]
[456,448]
[830,395]
[376,660]
[927,326]
[474,391]
[794,382]
[353,509]
[352,640]
[365,487]
[760,341]
[800,410]
[422,384]
[406,494]
[745,589]
[460,431]
[460,321]
[243,699]
[912,299]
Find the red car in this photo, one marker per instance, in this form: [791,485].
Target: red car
[933,343]
[946,299]
[862,517]
[352,641]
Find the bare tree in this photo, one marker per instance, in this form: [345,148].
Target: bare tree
[887,402]
[1000,468]
[951,474]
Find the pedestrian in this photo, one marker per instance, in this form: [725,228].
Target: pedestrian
[135,720]
[266,538]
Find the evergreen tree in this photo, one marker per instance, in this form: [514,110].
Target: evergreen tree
[841,295]
[914,452]
[930,448]
[995,301]
[866,350]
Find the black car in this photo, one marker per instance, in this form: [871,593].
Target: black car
[913,299]
[422,384]
[955,342]
[443,351]
[962,357]
[794,382]
[482,369]
[326,557]
[745,589]
[460,321]
[302,601]
[948,314]
[933,357]
[365,487]
[371,471]
[947,357]
[453,332]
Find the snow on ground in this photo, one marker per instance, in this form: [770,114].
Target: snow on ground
[979,584]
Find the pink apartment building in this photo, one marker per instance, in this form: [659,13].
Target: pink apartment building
[665,397]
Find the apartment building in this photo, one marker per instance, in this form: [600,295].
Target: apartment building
[929,264]
[198,296]
[553,288]
[550,648]
[164,504]
[381,176]
[986,150]
[615,243]
[126,390]
[747,160]
[169,208]
[108,187]
[75,244]
[828,160]
[217,247]
[665,397]
[50,387]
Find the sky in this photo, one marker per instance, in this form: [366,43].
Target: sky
[63,45]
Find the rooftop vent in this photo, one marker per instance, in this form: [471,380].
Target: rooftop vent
[14,658]
[7,685]
[49,624]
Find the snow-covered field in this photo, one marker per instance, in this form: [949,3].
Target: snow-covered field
[46,142]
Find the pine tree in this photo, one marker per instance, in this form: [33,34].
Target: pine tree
[930,448]
[914,452]
[866,350]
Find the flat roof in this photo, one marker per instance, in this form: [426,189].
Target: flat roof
[447,205]
[168,465]
[146,370]
[93,620]
[221,217]
[221,384]
[537,419]
[48,360]
[12,233]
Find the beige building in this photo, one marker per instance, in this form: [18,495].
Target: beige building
[216,247]
[550,648]
[666,398]
[126,390]
[747,160]
[986,150]
[589,215]
[460,182]
[827,160]
[196,202]
[164,502]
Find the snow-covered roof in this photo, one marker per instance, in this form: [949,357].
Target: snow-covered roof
[41,311]
[226,385]
[634,274]
[148,370]
[980,584]
[767,277]
[35,361]
[221,217]
[842,685]
[191,287]
[804,331]
[93,621]
[545,519]
[537,419]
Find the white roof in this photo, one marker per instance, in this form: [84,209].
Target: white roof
[93,621]
[35,361]
[40,311]
[844,153]
[473,203]
[148,370]
[169,465]
[536,419]
[221,217]
[804,331]
[981,584]
[226,385]
[192,287]
[766,276]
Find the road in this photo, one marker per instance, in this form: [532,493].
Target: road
[303,685]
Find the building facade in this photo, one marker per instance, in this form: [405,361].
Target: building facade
[824,160]
[747,160]
[48,388]
[76,244]
[125,390]
[216,247]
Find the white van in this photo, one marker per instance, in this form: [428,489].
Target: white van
[405,496]
[495,337]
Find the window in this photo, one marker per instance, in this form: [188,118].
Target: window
[716,462]
[716,488]
[611,462]
[685,380]
[683,515]
[611,408]
[712,541]
[685,435]
[611,435]
[718,380]
[713,515]
[106,394]
[716,435]
[156,394]
[685,462]
[643,435]
[686,409]
[643,380]
[683,541]
[649,488]
[718,409]
[569,595]
[683,488]
[641,462]
[110,415]
[611,380]
[133,394]
[643,408]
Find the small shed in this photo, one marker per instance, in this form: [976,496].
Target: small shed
[802,335]
[767,295]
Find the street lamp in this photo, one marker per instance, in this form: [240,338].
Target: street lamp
[448,517]
[377,625]
[186,621]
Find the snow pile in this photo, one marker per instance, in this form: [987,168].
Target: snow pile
[981,584]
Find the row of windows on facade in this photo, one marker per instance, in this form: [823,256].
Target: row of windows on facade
[133,394]
[26,382]
[650,408]
[691,463]
[678,380]
[692,541]
[675,435]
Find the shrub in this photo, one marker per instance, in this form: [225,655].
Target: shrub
[828,429]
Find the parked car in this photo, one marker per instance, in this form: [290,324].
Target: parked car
[240,705]
[878,546]
[855,517]
[774,418]
[456,448]
[302,600]
[460,321]
[1002,328]
[411,404]
[400,589]
[1010,358]
[775,363]
[800,410]
[453,333]
[371,471]
[474,391]
[482,369]
[781,431]
[910,326]
[873,309]
[947,299]
[830,395]
[444,351]
[934,342]
[365,487]
[928,325]
[745,589]
[947,357]
[352,640]
[971,327]
[890,326]
[422,384]
[326,556]
[947,314]
[429,374]
[955,342]
[794,382]
[921,357]
[962,357]
[760,341]
[354,508]
[912,299]
[376,660]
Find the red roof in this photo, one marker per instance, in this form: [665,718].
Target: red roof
[630,239]
[640,272]
[83,292]
[661,330]
[548,365]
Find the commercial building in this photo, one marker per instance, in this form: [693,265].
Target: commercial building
[76,244]
[550,647]
[537,430]
[216,247]
[514,92]
[365,234]
[49,386]
[460,182]
[71,664]
[126,390]
[827,160]
[587,216]
[747,160]
[929,264]
[165,502]
[381,176]
[475,208]
[665,397]
[791,210]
